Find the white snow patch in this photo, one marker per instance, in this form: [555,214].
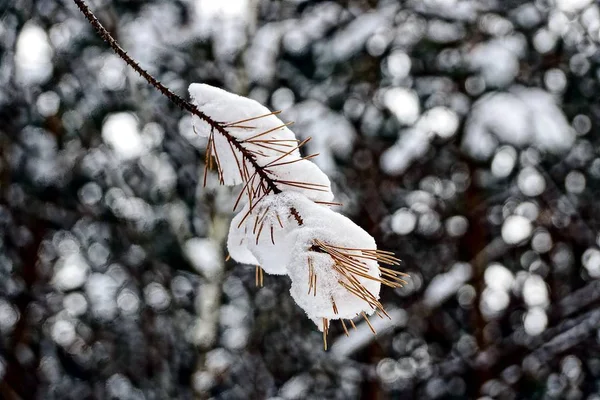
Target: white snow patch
[227,108]
[238,240]
[591,261]
[444,285]
[498,277]
[227,22]
[535,321]
[70,272]
[353,37]
[498,59]
[411,145]
[262,55]
[531,182]
[33,58]
[101,290]
[462,10]
[520,117]
[120,131]
[572,5]
[156,296]
[544,40]
[63,332]
[439,120]
[516,229]
[9,316]
[504,161]
[493,302]
[128,302]
[205,256]
[403,103]
[260,236]
[75,304]
[535,291]
[209,9]
[398,64]
[297,387]
[403,221]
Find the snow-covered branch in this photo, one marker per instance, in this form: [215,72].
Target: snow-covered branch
[286,226]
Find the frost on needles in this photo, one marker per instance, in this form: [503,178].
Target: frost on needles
[285,226]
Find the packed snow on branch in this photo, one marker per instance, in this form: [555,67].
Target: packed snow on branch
[329,248]
[250,136]
[254,233]
[332,262]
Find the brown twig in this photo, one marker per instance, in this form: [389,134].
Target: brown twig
[175,99]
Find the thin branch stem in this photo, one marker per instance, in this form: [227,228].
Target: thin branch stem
[175,99]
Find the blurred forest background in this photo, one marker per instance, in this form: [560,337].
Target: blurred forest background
[462,134]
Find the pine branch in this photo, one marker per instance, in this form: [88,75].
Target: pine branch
[176,99]
[268,164]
